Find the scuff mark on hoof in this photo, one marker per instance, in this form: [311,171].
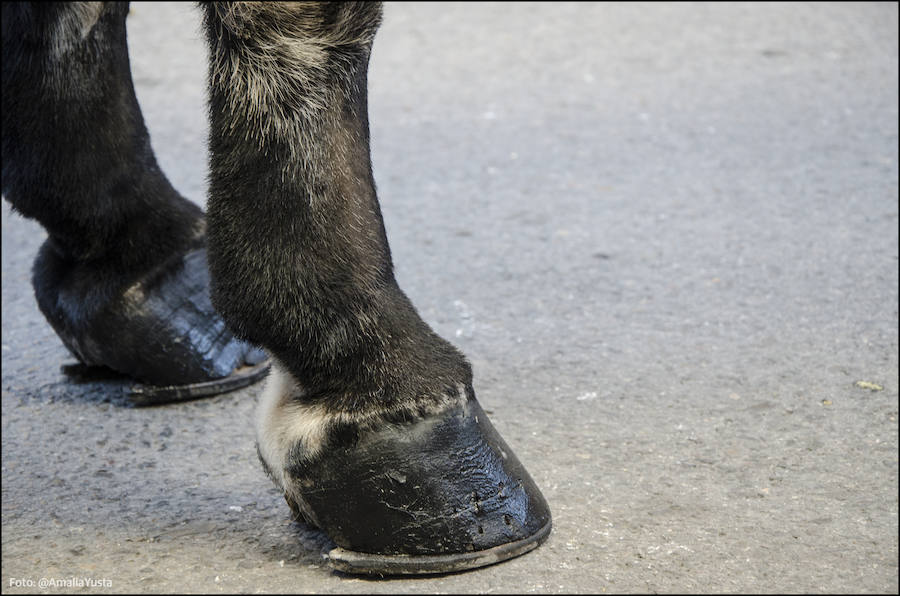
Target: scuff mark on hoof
[438,493]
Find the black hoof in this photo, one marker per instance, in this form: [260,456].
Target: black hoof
[435,495]
[160,329]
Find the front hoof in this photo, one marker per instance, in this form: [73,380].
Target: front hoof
[436,494]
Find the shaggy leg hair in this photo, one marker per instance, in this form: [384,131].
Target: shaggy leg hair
[122,276]
[76,153]
[369,423]
[298,251]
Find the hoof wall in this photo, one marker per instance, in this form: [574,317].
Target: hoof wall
[158,328]
[434,494]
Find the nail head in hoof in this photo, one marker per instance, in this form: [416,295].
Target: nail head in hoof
[438,494]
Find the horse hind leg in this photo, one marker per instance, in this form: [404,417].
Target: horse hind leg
[122,277]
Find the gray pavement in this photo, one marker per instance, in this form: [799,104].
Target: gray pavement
[665,235]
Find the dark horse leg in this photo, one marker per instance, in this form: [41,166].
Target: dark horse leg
[122,277]
[369,422]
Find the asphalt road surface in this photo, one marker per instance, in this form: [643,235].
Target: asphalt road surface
[665,235]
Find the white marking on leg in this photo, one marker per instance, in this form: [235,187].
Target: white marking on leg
[282,421]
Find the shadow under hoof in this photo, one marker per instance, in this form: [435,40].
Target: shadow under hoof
[80,374]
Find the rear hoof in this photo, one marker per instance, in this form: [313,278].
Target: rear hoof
[160,329]
[151,395]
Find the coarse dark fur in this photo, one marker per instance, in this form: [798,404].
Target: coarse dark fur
[122,277]
[77,156]
[298,259]
[298,253]
[76,153]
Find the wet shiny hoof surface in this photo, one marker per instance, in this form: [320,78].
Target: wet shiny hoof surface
[160,329]
[435,495]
